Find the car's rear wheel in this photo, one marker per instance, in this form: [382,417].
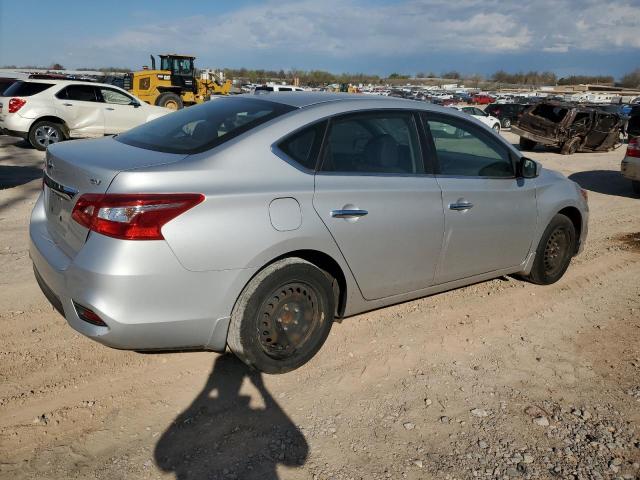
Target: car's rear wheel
[526,144]
[506,123]
[170,100]
[554,252]
[570,146]
[283,316]
[45,133]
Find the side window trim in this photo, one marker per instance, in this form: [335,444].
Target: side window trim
[374,112]
[427,116]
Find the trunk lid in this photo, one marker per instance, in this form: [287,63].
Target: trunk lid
[86,166]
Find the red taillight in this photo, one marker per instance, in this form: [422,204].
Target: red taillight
[89,315]
[16,104]
[633,149]
[132,216]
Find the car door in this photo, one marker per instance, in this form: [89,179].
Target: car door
[490,214]
[121,111]
[604,130]
[81,109]
[382,207]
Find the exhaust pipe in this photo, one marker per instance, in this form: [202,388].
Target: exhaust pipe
[153,62]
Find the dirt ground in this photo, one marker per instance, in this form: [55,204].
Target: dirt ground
[502,379]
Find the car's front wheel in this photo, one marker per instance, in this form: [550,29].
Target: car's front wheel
[496,127]
[283,316]
[554,252]
[45,133]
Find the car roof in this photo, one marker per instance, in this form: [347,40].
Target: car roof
[307,99]
[65,82]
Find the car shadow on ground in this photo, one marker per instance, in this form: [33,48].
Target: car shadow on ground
[220,436]
[13,176]
[608,182]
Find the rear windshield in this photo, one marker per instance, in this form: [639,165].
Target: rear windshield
[199,128]
[26,89]
[550,112]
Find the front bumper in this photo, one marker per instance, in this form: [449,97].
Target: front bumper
[139,289]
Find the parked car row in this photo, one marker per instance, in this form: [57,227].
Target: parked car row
[45,112]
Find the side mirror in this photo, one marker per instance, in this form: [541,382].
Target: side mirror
[135,104]
[529,168]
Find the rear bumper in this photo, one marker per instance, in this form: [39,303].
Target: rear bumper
[534,137]
[139,289]
[15,125]
[630,168]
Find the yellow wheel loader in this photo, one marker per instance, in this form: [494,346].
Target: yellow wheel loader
[175,85]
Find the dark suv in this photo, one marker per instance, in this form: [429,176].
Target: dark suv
[507,113]
[569,127]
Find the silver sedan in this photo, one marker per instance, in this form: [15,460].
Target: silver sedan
[253,222]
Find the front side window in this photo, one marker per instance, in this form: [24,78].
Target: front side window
[199,128]
[464,150]
[373,143]
[113,96]
[81,93]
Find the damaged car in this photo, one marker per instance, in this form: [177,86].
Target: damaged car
[571,128]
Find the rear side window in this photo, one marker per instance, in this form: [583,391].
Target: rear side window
[26,89]
[82,93]
[200,128]
[373,143]
[303,146]
[550,112]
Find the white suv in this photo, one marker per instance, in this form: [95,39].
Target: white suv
[49,111]
[483,116]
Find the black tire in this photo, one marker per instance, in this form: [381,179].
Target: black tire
[635,185]
[570,146]
[290,295]
[45,133]
[170,100]
[496,127]
[555,250]
[506,123]
[526,144]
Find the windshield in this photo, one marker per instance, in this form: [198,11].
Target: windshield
[179,66]
[200,128]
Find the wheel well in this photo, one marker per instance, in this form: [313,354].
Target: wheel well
[53,119]
[574,215]
[329,265]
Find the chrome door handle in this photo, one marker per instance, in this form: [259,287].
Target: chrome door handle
[68,104]
[348,213]
[461,206]
[109,108]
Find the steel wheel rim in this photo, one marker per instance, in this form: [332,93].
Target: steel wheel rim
[46,135]
[288,319]
[555,252]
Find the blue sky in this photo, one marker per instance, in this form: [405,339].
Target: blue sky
[406,36]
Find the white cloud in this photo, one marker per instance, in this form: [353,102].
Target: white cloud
[351,28]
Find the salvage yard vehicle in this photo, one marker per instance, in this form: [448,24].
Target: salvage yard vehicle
[175,84]
[630,167]
[484,117]
[254,221]
[507,113]
[45,112]
[569,127]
